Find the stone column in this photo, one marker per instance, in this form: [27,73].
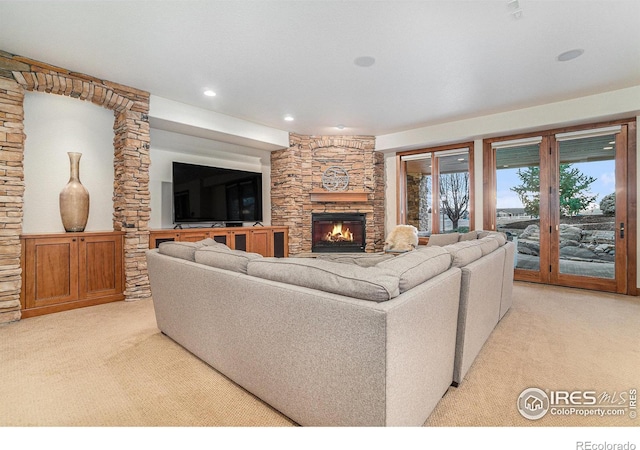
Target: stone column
[131,198]
[11,196]
[287,192]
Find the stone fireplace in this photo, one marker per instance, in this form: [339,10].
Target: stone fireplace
[338,232]
[298,192]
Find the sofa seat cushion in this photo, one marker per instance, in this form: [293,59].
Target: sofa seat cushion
[225,258]
[416,267]
[351,280]
[463,253]
[443,239]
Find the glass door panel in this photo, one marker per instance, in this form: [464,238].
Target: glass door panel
[518,201]
[586,240]
[453,186]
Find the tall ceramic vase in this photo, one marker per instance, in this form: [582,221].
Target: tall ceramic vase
[74,198]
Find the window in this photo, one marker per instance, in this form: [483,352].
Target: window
[436,191]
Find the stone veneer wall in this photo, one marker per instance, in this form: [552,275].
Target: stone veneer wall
[413,199]
[131,198]
[297,171]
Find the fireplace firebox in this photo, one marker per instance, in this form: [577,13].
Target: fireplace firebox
[338,232]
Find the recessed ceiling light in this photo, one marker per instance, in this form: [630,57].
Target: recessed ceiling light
[288,118]
[209,93]
[608,148]
[569,55]
[612,142]
[460,159]
[364,61]
[340,127]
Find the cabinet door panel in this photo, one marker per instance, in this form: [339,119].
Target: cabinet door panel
[241,241]
[54,265]
[156,238]
[194,237]
[279,244]
[100,266]
[220,236]
[261,242]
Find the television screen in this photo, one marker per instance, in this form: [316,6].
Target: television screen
[214,194]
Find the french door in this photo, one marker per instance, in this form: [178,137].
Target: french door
[563,198]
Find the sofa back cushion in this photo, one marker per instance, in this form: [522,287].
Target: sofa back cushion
[213,243]
[443,239]
[361,259]
[351,280]
[463,253]
[225,258]
[470,236]
[416,267]
[487,245]
[498,235]
[182,250]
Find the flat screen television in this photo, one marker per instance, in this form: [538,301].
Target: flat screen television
[214,194]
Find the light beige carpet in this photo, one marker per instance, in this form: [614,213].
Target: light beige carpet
[108,365]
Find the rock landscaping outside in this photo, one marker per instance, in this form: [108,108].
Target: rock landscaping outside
[582,238]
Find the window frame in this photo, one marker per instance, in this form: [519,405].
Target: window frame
[401,190]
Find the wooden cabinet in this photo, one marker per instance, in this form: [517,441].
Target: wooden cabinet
[267,241]
[262,242]
[71,270]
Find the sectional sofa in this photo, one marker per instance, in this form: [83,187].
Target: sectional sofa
[361,340]
[487,263]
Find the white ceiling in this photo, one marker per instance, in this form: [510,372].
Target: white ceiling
[435,61]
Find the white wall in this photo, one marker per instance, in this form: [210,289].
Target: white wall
[55,125]
[167,147]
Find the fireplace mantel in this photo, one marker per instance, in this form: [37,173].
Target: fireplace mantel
[338,196]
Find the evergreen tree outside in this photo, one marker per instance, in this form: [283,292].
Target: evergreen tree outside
[574,190]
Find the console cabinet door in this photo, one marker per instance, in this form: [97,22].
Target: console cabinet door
[51,271]
[241,240]
[221,236]
[156,238]
[261,242]
[100,266]
[194,236]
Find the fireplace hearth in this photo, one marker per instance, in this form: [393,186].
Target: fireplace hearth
[338,232]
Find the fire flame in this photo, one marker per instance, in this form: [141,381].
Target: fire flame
[337,234]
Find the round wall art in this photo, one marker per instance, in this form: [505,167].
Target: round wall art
[335,179]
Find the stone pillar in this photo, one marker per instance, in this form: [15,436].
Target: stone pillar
[286,192]
[413,199]
[131,198]
[11,196]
